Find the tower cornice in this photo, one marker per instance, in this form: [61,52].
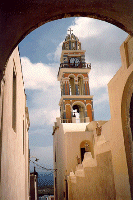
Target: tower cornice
[74,51]
[75,97]
[72,70]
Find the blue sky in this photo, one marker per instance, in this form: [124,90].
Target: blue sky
[40,57]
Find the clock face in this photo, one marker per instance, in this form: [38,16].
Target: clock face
[74,60]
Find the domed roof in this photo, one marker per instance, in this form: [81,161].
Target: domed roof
[71,37]
[71,42]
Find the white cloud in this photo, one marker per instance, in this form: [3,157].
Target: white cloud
[98,81]
[101,73]
[84,27]
[42,116]
[38,75]
[56,55]
[103,97]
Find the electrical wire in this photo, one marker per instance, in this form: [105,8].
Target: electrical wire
[44,168]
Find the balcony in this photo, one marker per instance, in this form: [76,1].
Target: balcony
[75,65]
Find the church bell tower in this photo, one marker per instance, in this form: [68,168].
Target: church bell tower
[76,103]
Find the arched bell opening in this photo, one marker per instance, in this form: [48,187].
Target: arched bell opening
[79,112]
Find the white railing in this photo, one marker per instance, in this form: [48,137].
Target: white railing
[66,121]
[75,120]
[80,120]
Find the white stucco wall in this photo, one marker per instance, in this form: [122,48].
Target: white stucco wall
[67,139]
[14,163]
[116,88]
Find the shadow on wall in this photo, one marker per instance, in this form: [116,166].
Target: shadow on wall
[127,120]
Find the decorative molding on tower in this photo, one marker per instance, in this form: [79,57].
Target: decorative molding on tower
[73,76]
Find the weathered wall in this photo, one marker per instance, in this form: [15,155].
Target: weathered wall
[94,179]
[14,151]
[73,141]
[97,183]
[66,141]
[59,148]
[118,142]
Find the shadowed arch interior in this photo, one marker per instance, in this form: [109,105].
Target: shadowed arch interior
[85,146]
[19,18]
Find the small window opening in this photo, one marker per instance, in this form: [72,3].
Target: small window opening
[23,137]
[14,102]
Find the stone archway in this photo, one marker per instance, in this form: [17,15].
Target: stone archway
[18,18]
[126,115]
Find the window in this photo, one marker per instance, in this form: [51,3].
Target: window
[23,136]
[80,85]
[71,86]
[14,102]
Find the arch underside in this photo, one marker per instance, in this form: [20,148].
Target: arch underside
[19,18]
[126,117]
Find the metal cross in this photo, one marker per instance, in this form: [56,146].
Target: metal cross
[70,31]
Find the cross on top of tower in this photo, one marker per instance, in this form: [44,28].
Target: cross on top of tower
[70,30]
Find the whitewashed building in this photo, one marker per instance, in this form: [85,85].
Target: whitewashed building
[93,159]
[14,140]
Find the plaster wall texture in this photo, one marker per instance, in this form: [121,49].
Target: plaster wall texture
[97,179]
[59,147]
[89,179]
[73,141]
[66,141]
[97,183]
[14,149]
[116,88]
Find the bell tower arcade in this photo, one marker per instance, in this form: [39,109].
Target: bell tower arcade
[76,103]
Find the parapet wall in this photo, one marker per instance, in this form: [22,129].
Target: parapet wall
[93,179]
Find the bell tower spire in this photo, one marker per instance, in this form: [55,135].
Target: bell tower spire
[76,101]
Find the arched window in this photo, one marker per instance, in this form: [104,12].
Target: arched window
[80,85]
[84,147]
[71,86]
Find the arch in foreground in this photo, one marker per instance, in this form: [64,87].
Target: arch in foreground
[19,18]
